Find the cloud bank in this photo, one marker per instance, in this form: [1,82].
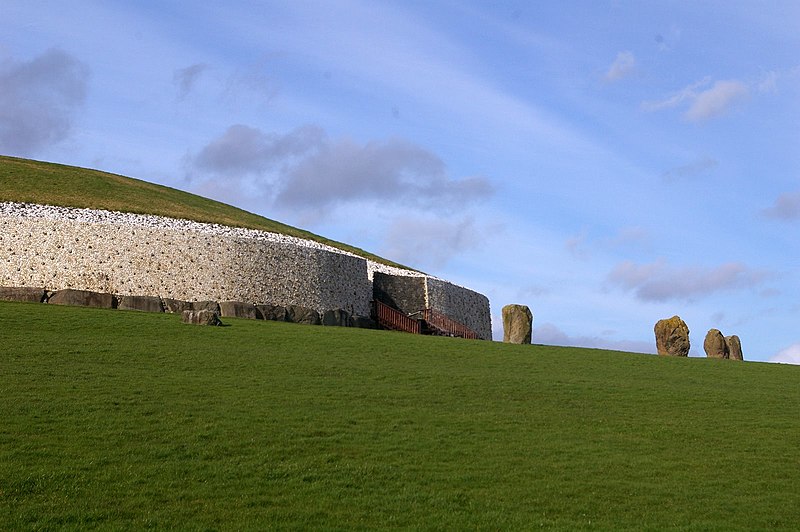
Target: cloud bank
[306,170]
[790,355]
[786,207]
[38,99]
[658,281]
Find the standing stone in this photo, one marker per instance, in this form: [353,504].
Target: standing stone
[201,317]
[517,324]
[672,337]
[734,347]
[714,344]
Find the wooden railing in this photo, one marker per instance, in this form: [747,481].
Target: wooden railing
[393,319]
[447,325]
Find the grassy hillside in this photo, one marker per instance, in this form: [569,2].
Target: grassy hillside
[28,181]
[125,420]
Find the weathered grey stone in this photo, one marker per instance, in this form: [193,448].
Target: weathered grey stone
[734,347]
[714,344]
[213,306]
[672,337]
[298,314]
[363,322]
[201,317]
[83,298]
[517,324]
[143,303]
[237,309]
[176,306]
[336,318]
[22,293]
[271,312]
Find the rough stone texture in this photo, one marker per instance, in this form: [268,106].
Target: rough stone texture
[672,337]
[143,303]
[201,317]
[714,344]
[176,306]
[22,293]
[213,306]
[83,298]
[271,312]
[734,347]
[405,293]
[517,324]
[336,318]
[298,314]
[237,309]
[461,304]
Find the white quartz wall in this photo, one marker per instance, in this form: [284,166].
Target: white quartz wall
[177,262]
[461,304]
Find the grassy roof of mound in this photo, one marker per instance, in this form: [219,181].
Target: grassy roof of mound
[28,181]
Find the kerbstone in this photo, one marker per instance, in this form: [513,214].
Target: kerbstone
[237,309]
[141,303]
[22,293]
[83,298]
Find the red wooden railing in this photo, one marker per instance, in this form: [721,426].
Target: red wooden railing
[394,319]
[447,325]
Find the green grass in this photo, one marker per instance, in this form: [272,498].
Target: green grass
[27,181]
[124,420]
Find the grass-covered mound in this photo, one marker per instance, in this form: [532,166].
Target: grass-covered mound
[27,181]
[126,420]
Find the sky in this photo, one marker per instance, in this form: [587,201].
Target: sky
[607,163]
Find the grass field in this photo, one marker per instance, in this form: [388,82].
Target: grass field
[125,420]
[27,181]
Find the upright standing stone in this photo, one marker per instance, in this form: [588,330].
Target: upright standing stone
[734,347]
[517,324]
[672,337]
[715,345]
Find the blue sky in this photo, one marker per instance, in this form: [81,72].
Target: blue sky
[607,163]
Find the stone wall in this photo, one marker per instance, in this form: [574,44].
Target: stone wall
[127,254]
[178,263]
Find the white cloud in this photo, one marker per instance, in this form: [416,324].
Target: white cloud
[622,67]
[786,207]
[38,99]
[717,100]
[658,281]
[712,102]
[790,355]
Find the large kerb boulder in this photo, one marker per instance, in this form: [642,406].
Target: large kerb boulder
[143,303]
[201,317]
[336,318]
[271,312]
[517,324]
[672,337]
[22,293]
[237,309]
[83,298]
[299,314]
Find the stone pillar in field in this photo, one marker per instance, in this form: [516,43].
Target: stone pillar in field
[672,337]
[715,345]
[517,324]
[734,347]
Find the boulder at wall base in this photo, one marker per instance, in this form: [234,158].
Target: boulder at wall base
[83,298]
[672,337]
[201,317]
[336,318]
[237,309]
[734,347]
[517,324]
[143,303]
[22,293]
[715,345]
[206,305]
[176,306]
[298,314]
[271,312]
